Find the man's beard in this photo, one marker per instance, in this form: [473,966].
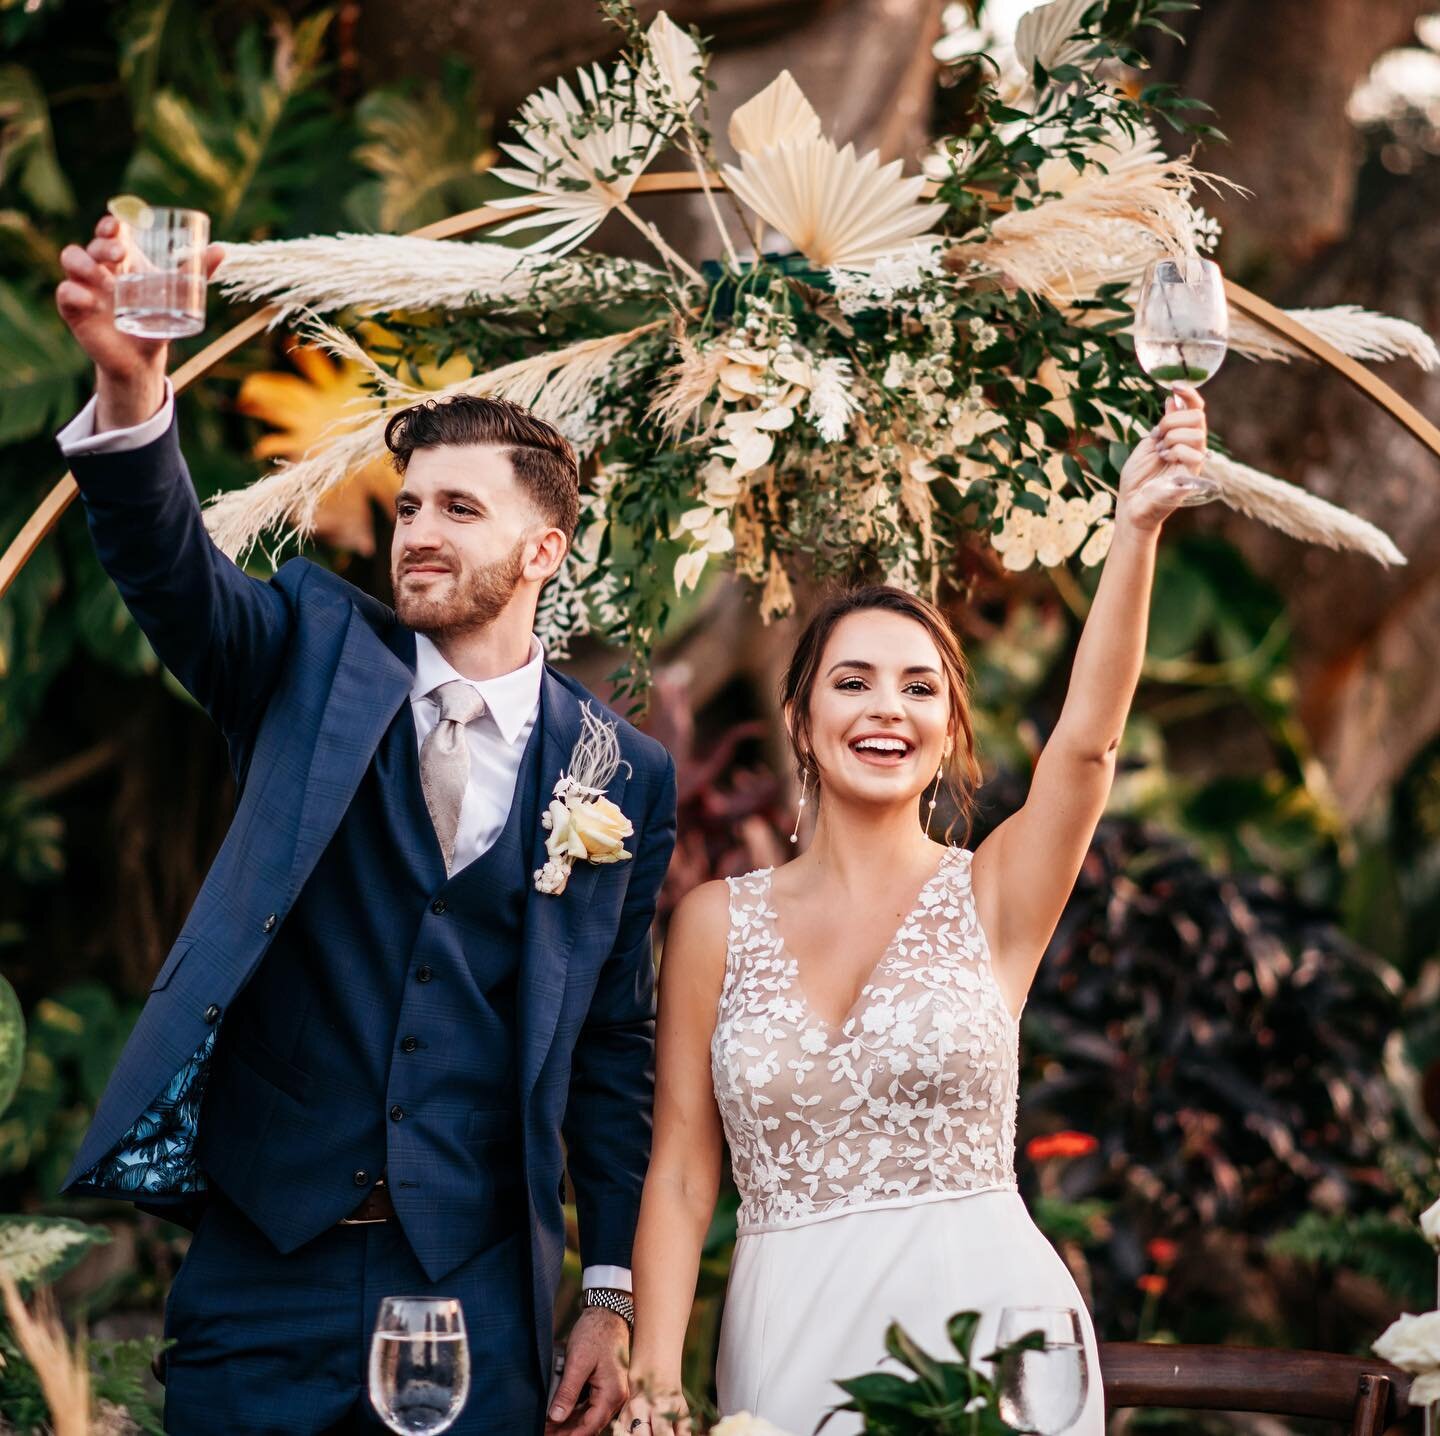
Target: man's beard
[474,599]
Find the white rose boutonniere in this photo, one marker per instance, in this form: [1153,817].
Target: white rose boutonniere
[1413,1344]
[584,825]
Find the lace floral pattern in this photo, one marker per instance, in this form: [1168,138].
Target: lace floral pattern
[911,1099]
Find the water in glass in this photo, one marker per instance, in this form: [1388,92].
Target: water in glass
[419,1364]
[1042,1390]
[160,288]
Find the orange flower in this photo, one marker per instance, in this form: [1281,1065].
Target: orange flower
[1152,1284]
[1060,1144]
[1162,1251]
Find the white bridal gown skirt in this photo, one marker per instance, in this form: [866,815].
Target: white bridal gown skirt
[811,1303]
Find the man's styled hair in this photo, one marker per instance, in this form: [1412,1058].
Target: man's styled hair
[544,462]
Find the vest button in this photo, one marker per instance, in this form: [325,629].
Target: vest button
[362,1178]
[439,906]
[396,1112]
[211,1015]
[269,924]
[423,974]
[409,1044]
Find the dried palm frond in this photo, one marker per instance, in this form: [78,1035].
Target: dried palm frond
[1296,512]
[1360,333]
[62,1370]
[1105,229]
[686,385]
[371,272]
[673,62]
[583,153]
[1045,34]
[778,113]
[556,386]
[834,206]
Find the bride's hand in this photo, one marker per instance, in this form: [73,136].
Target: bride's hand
[653,1412]
[1162,473]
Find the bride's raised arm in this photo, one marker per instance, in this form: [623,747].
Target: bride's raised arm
[1024,871]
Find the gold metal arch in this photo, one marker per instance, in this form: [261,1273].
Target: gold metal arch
[48,512]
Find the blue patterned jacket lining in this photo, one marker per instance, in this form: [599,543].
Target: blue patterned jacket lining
[156,1157]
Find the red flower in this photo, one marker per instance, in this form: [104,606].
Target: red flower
[1152,1284]
[1162,1251]
[1060,1144]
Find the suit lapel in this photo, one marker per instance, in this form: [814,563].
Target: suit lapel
[551,921]
[370,683]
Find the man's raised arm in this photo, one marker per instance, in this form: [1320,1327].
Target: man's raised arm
[220,632]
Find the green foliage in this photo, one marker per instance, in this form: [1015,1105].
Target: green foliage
[12,1043]
[27,146]
[119,1376]
[429,151]
[40,366]
[942,1397]
[1393,1252]
[75,1039]
[38,1250]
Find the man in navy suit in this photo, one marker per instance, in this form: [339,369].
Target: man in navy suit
[381,1035]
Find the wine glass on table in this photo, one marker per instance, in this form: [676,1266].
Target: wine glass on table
[1182,329]
[1042,1386]
[419,1363]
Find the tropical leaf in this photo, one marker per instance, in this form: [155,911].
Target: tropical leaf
[38,1250]
[242,146]
[142,34]
[429,151]
[27,147]
[12,1043]
[40,367]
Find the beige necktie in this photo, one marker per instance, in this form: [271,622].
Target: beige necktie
[445,759]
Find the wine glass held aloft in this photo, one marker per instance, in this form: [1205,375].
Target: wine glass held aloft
[419,1363]
[1182,330]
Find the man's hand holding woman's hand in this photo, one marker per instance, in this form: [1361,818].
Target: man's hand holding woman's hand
[129,372]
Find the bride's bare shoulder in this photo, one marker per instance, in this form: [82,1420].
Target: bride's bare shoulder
[700,923]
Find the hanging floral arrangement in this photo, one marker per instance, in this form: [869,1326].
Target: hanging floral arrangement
[875,368]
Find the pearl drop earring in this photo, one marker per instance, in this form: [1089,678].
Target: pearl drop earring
[935,791]
[800,807]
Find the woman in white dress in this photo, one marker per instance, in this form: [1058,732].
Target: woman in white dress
[848,1022]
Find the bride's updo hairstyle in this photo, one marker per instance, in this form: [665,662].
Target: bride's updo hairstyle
[962,772]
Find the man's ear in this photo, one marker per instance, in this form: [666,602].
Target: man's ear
[551,546]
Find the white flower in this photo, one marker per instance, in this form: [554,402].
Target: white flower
[879,1018]
[688,568]
[1430,1224]
[744,1424]
[831,402]
[552,877]
[592,829]
[812,1040]
[1413,1344]
[1098,545]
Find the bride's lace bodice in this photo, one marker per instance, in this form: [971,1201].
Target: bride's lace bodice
[911,1099]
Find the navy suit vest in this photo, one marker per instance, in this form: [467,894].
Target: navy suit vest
[379,1032]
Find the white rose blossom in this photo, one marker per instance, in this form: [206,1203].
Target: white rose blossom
[1413,1344]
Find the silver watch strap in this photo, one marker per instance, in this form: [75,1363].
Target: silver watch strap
[607,1297]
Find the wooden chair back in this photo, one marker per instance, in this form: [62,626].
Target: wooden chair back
[1364,1394]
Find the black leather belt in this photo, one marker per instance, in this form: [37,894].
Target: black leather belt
[376,1207]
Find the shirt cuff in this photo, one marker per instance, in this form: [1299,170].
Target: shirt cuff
[617,1278]
[79,436]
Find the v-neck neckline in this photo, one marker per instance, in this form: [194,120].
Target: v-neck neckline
[783,948]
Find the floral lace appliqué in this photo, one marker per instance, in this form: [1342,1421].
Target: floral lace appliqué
[911,1099]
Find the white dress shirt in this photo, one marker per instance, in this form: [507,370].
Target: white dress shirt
[496,739]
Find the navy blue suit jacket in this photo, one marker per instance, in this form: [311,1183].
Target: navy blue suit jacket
[297,674]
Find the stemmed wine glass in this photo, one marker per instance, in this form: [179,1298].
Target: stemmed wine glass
[1042,1389]
[1182,329]
[419,1363]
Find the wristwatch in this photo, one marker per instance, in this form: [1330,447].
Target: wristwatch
[607,1297]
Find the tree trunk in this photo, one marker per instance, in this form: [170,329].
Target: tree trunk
[1325,228]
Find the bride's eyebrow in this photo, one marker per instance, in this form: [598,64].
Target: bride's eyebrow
[915,669]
